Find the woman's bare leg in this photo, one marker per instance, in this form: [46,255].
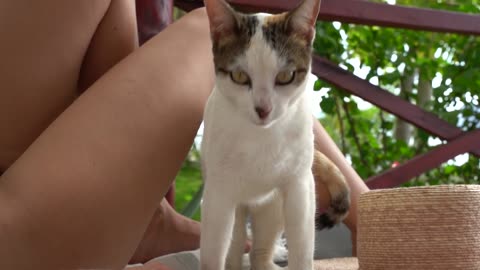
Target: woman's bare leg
[109,157]
[42,49]
[94,35]
[115,38]
[168,232]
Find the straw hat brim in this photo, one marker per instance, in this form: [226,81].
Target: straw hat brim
[434,227]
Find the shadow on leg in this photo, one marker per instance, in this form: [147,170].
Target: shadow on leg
[267,224]
[216,231]
[300,223]
[237,246]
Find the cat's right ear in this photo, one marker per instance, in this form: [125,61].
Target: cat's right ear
[222,18]
[303,18]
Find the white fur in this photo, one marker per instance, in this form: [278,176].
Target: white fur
[259,168]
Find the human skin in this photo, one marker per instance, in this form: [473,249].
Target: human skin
[92,180]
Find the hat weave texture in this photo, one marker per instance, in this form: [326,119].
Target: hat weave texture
[431,228]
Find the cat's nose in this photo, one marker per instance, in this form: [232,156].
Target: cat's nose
[263,112]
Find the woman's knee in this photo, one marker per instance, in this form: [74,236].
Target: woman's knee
[115,38]
[41,58]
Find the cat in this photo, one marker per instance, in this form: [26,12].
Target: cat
[257,150]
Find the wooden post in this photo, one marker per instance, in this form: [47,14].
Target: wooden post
[152,17]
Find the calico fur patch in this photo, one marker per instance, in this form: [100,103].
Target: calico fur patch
[279,34]
[229,47]
[276,31]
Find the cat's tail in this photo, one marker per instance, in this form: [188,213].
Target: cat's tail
[328,175]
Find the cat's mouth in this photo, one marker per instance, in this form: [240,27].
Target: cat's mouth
[264,123]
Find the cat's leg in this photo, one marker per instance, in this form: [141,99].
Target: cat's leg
[299,208]
[216,228]
[327,175]
[237,246]
[267,224]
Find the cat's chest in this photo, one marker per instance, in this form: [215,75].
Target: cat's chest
[234,148]
[262,155]
[258,157]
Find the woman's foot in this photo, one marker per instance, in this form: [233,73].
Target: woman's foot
[168,232]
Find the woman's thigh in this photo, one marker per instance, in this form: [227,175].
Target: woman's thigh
[52,49]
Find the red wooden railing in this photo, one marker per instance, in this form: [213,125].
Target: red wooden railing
[364,12]
[368,13]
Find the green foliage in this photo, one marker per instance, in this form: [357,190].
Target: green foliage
[391,57]
[187,183]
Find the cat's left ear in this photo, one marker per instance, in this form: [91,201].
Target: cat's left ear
[222,18]
[302,19]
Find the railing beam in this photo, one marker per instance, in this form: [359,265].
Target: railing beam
[366,13]
[343,79]
[423,163]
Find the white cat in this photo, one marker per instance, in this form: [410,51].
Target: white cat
[257,150]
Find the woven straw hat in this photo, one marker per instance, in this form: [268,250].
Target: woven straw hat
[419,228]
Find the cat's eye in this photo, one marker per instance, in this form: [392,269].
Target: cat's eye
[285,77]
[240,77]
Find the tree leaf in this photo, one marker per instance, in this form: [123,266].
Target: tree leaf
[328,105]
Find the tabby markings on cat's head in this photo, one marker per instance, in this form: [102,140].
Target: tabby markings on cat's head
[274,31]
[229,47]
[262,61]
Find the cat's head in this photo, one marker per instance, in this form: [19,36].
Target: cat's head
[262,62]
